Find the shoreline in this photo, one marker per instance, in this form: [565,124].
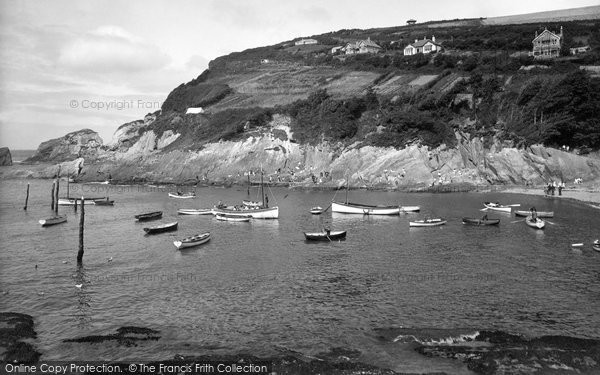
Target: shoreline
[589,195]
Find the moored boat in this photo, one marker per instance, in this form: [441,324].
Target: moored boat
[363,209]
[410,208]
[53,220]
[104,202]
[183,195]
[149,216]
[233,217]
[473,221]
[536,223]
[193,211]
[249,203]
[191,241]
[539,213]
[317,210]
[428,222]
[596,245]
[325,235]
[255,213]
[167,227]
[498,207]
[71,201]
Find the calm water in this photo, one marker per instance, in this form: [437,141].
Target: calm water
[260,288]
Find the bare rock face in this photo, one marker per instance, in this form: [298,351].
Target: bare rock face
[80,144]
[128,134]
[5,158]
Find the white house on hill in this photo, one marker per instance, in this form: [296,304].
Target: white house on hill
[424,46]
[547,44]
[194,111]
[362,46]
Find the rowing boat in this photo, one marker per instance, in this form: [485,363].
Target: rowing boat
[53,220]
[72,201]
[233,217]
[255,213]
[428,222]
[410,208]
[497,207]
[149,216]
[596,245]
[539,213]
[196,240]
[325,235]
[472,221]
[536,223]
[317,210]
[161,228]
[363,209]
[104,203]
[193,211]
[182,195]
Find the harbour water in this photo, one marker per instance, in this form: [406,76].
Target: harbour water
[259,288]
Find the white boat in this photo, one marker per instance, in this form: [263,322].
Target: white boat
[196,240]
[536,223]
[428,222]
[497,207]
[410,208]
[255,213]
[193,211]
[182,195]
[71,201]
[363,209]
[53,220]
[596,245]
[228,217]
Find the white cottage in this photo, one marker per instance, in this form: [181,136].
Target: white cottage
[424,46]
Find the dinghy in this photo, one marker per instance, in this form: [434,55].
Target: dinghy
[536,223]
[53,220]
[161,228]
[191,241]
[473,221]
[326,235]
[428,222]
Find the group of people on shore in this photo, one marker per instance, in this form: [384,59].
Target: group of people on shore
[553,186]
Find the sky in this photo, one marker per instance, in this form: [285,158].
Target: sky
[67,65]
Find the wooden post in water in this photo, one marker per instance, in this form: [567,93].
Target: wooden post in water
[68,178]
[26,197]
[75,206]
[81,222]
[56,193]
[53,185]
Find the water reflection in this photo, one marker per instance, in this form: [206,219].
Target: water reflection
[83,309]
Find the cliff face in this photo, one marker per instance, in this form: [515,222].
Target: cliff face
[79,144]
[5,157]
[283,160]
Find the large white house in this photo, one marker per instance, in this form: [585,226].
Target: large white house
[362,46]
[305,41]
[424,46]
[546,45]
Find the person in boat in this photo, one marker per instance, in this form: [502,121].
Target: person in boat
[533,214]
[484,218]
[266,202]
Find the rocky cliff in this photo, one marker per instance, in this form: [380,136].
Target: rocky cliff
[79,144]
[5,157]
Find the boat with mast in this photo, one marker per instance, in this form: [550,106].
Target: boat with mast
[261,211]
[362,209]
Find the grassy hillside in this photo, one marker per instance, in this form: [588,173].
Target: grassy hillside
[483,82]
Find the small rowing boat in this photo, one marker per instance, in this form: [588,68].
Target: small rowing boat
[71,201]
[193,211]
[363,209]
[539,213]
[182,195]
[536,223]
[596,245]
[327,235]
[161,228]
[428,222]
[53,220]
[497,207]
[196,240]
[104,203]
[233,217]
[473,221]
[410,208]
[149,216]
[317,210]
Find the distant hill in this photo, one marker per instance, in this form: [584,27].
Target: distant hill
[573,14]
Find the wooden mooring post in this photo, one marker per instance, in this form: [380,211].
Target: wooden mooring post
[81,222]
[56,195]
[53,187]
[26,198]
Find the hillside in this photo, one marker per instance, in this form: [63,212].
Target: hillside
[481,92]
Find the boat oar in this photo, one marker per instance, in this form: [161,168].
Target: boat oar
[549,222]
[514,205]
[517,221]
[484,209]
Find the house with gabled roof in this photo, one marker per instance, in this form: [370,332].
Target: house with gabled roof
[362,46]
[305,41]
[424,46]
[546,45]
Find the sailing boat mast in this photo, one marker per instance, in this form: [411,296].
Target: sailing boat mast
[347,187]
[262,190]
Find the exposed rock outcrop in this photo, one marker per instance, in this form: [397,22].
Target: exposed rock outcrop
[82,143]
[5,157]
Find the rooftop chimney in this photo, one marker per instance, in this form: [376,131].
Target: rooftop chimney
[416,40]
[433,38]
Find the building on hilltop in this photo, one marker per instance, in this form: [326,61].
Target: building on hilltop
[362,46]
[546,45]
[305,41]
[423,46]
[411,22]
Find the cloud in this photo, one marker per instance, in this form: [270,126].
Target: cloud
[111,49]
